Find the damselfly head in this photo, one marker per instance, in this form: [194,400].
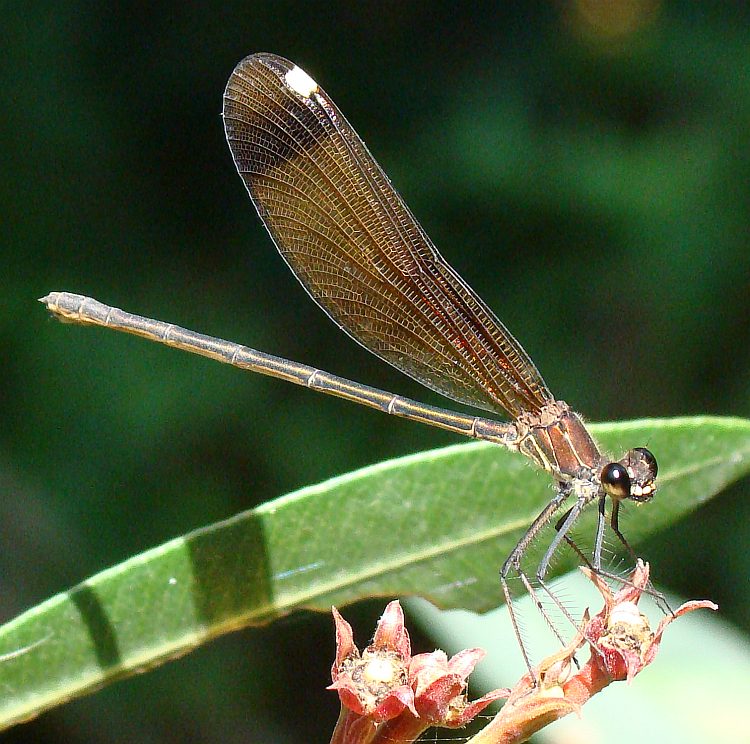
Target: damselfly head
[633,477]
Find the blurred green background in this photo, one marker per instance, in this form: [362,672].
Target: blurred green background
[584,165]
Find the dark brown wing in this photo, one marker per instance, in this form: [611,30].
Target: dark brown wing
[357,249]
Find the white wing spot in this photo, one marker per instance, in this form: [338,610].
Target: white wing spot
[300,82]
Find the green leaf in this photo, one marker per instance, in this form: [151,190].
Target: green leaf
[437,524]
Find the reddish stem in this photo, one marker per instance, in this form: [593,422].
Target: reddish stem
[352,728]
[403,729]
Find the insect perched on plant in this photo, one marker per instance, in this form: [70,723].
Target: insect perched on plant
[352,242]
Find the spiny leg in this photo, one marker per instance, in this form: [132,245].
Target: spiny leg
[595,562]
[562,528]
[513,565]
[596,555]
[659,598]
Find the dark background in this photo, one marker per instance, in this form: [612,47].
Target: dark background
[584,165]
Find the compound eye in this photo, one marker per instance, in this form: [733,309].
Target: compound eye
[616,481]
[648,460]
